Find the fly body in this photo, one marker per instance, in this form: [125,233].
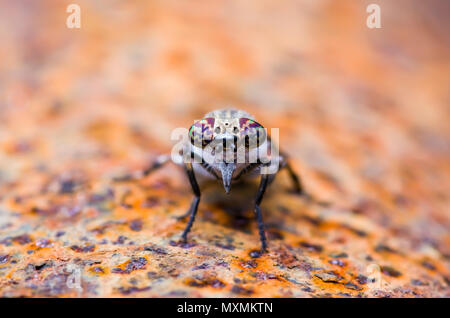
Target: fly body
[229,145]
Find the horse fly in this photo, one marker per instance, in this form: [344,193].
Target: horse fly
[228,145]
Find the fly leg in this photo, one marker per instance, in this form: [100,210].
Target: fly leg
[259,196]
[296,181]
[194,205]
[160,161]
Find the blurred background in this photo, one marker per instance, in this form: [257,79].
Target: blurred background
[363,113]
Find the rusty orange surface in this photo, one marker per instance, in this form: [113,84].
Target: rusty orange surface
[363,113]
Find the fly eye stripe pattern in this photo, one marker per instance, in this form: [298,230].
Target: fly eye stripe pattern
[201,133]
[253,132]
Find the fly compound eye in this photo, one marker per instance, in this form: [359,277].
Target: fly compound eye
[252,133]
[201,133]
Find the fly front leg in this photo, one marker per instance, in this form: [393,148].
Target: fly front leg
[297,183]
[261,190]
[188,212]
[194,205]
[160,161]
